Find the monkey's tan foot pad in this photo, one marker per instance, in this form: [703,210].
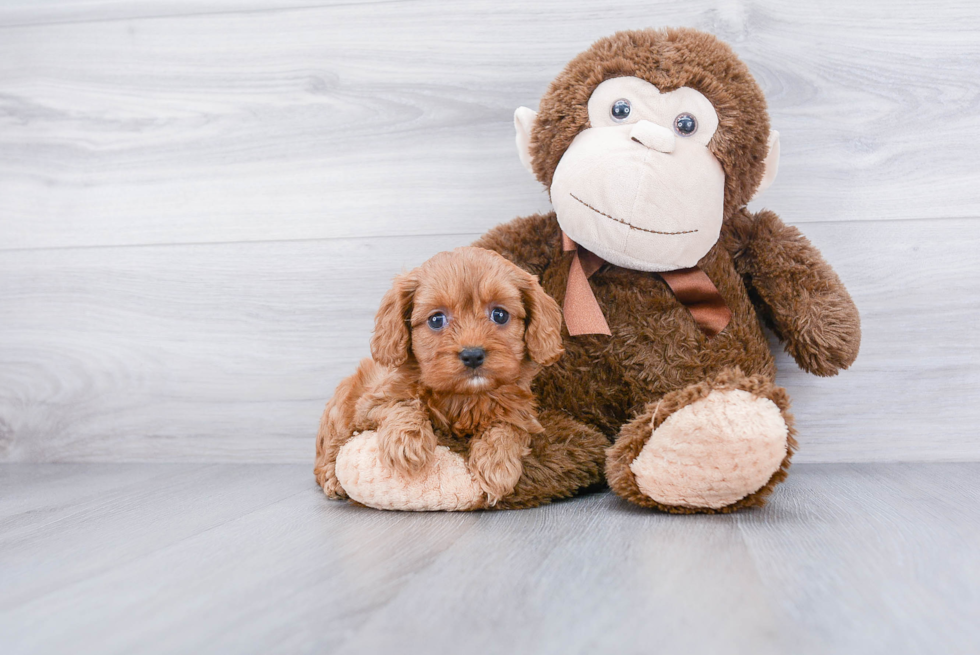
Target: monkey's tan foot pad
[713,452]
[444,485]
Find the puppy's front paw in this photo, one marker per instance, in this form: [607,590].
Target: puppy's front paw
[331,487]
[496,462]
[406,448]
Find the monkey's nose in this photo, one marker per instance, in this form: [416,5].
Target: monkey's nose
[472,357]
[653,136]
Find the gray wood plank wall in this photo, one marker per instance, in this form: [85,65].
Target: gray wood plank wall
[201,203]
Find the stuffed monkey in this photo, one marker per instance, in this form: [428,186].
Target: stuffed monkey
[651,143]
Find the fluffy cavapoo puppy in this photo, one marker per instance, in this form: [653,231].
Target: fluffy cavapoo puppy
[442,416]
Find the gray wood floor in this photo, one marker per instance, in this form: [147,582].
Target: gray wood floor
[165,558]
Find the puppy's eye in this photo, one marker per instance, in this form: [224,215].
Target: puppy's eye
[685,125]
[499,316]
[620,110]
[437,321]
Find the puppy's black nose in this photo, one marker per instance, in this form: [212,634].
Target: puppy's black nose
[472,357]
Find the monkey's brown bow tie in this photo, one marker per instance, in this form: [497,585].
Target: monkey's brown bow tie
[691,287]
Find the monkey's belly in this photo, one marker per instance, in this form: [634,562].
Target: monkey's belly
[655,348]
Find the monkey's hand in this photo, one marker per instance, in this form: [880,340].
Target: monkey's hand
[796,292]
[406,441]
[496,459]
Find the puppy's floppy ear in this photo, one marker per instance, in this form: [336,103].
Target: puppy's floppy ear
[542,326]
[390,342]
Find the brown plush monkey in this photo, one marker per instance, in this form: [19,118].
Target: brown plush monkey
[651,143]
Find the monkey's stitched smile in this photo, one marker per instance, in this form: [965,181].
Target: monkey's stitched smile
[626,223]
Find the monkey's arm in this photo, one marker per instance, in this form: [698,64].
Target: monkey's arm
[798,294]
[531,242]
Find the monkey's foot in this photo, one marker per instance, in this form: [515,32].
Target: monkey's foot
[444,485]
[717,446]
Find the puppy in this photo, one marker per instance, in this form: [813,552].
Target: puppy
[456,344]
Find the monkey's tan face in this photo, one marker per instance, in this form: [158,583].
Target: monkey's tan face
[640,187]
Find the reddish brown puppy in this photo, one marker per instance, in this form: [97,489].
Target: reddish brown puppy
[442,416]
[651,143]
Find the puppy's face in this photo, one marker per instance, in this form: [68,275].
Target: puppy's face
[467,326]
[471,319]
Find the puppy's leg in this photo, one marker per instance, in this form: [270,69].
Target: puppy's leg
[406,441]
[496,459]
[331,436]
[337,425]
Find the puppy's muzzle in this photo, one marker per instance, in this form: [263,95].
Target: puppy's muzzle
[472,357]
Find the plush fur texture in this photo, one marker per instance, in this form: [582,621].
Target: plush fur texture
[634,436]
[713,452]
[819,323]
[765,271]
[668,59]
[444,485]
[424,406]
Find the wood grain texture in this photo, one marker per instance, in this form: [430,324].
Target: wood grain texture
[202,202]
[162,122]
[868,559]
[227,352]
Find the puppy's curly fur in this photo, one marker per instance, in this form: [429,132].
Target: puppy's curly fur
[416,391]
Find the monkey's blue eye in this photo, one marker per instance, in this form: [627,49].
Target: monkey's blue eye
[620,110]
[437,321]
[685,125]
[499,316]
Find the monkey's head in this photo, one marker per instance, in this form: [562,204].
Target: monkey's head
[646,142]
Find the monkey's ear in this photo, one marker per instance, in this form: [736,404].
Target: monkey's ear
[772,164]
[390,342]
[523,122]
